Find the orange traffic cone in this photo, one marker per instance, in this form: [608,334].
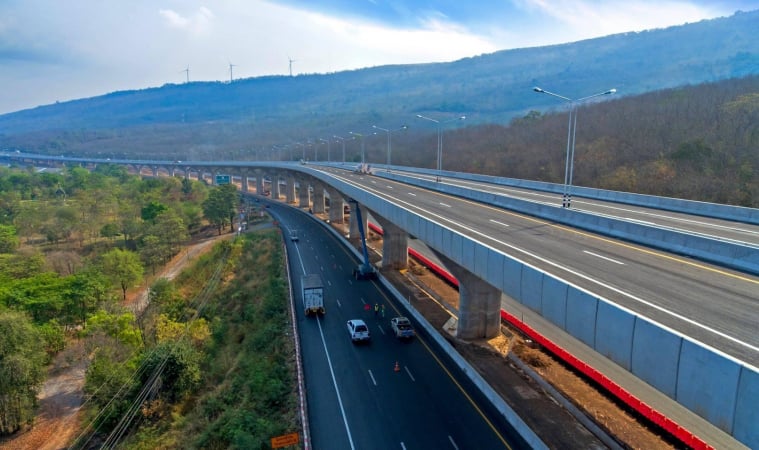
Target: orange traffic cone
[397,367]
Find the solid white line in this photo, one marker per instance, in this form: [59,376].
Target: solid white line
[500,223]
[372,375]
[456,447]
[334,383]
[594,281]
[604,257]
[409,373]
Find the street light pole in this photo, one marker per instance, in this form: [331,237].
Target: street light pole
[569,164]
[389,150]
[361,137]
[341,139]
[328,148]
[440,140]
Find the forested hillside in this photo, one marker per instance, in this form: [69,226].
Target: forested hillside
[683,121]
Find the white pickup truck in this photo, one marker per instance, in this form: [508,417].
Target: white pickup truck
[402,328]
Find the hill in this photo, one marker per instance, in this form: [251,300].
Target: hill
[204,119]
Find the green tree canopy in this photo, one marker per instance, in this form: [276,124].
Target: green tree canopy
[22,364]
[122,267]
[219,207]
[8,239]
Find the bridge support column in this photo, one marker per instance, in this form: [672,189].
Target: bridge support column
[275,186]
[336,214]
[318,198]
[303,193]
[290,190]
[244,183]
[394,245]
[479,304]
[353,232]
[259,183]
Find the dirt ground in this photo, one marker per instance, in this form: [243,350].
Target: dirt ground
[61,397]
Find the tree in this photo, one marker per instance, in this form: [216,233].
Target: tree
[8,239]
[219,207]
[122,267]
[22,364]
[152,210]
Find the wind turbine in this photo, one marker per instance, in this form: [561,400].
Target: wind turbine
[187,71]
[230,72]
[291,65]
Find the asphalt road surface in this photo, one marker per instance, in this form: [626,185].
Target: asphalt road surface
[356,398]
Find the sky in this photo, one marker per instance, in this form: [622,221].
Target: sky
[59,50]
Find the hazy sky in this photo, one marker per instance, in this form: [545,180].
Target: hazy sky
[57,50]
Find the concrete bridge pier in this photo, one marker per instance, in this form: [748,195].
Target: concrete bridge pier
[335,206]
[394,245]
[303,193]
[318,199]
[275,186]
[353,232]
[259,183]
[479,304]
[290,189]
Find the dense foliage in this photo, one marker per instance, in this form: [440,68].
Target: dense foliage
[59,270]
[216,361]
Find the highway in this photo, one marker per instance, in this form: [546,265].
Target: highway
[713,305]
[356,398]
[724,230]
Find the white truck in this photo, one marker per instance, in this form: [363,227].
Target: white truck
[313,294]
[402,328]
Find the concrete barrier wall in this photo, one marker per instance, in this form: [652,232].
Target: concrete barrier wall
[659,364]
[718,388]
[729,212]
[727,254]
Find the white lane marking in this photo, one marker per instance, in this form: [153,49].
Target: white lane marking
[445,204]
[380,327]
[604,257]
[590,280]
[453,443]
[389,187]
[329,283]
[409,374]
[372,375]
[338,303]
[334,383]
[412,194]
[500,223]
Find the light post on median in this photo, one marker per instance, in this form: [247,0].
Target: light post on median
[388,141]
[569,164]
[341,139]
[361,137]
[328,148]
[440,140]
[304,150]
